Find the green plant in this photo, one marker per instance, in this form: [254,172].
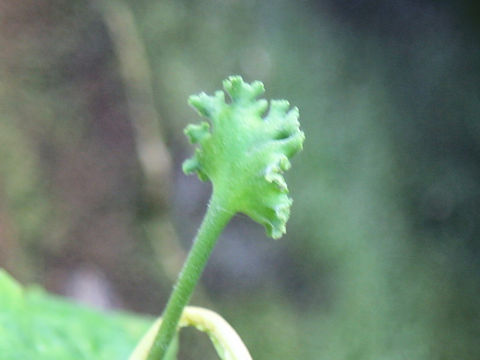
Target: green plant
[244,157]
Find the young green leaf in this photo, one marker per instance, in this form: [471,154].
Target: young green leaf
[245,153]
[244,156]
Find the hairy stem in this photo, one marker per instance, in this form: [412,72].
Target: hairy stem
[213,223]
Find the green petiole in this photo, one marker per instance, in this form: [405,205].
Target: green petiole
[215,220]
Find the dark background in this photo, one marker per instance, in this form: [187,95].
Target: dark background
[381,256]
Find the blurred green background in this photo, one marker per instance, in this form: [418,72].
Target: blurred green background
[381,256]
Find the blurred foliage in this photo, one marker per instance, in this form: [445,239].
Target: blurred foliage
[380,260]
[34,325]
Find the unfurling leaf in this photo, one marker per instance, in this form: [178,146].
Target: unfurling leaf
[244,150]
